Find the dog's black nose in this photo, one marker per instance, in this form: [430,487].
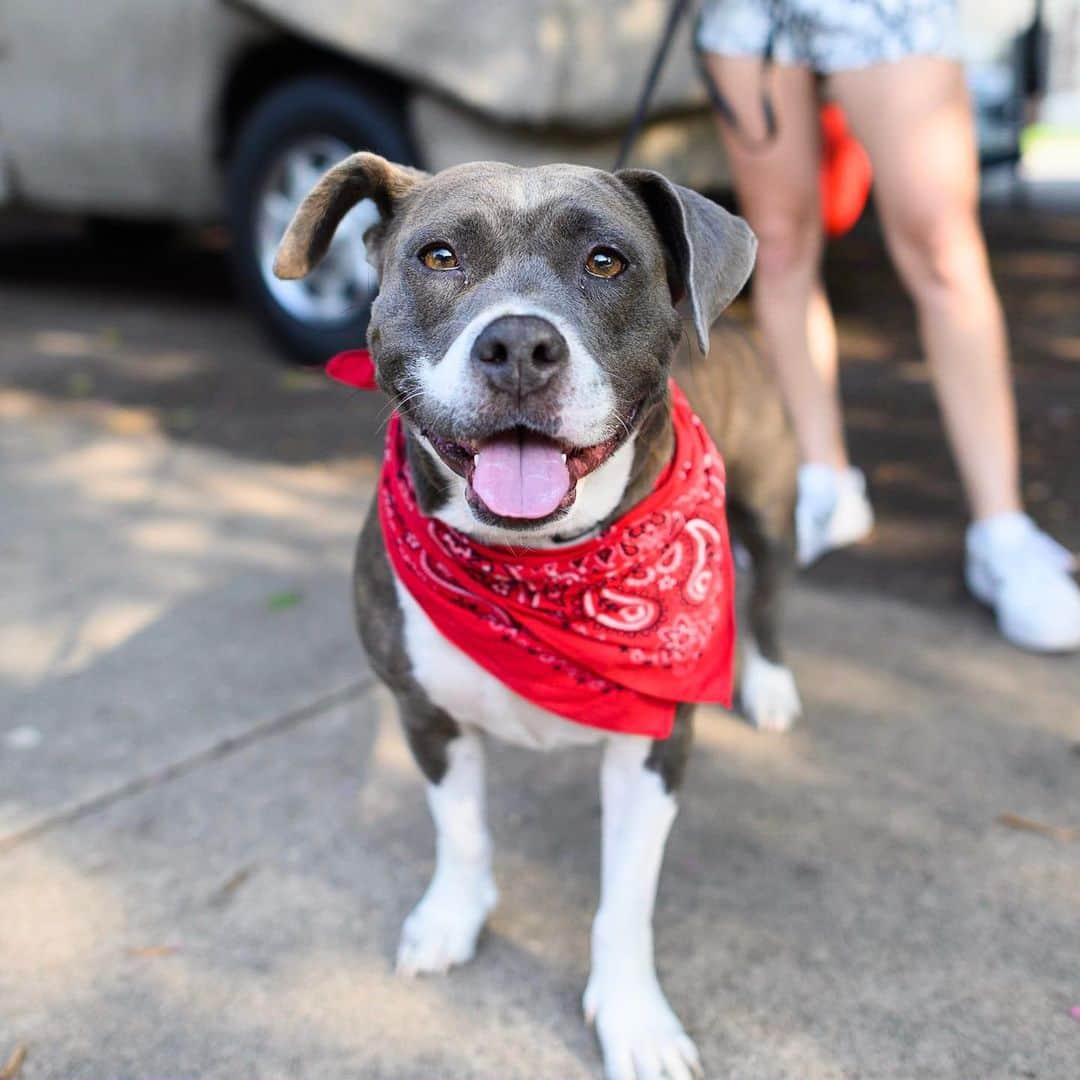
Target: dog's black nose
[520,353]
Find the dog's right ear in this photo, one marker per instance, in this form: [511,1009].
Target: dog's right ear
[712,251]
[361,176]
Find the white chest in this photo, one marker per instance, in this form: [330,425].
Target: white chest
[472,696]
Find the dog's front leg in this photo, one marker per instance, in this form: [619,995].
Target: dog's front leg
[443,928]
[640,1035]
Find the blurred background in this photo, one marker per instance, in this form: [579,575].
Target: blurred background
[189,114]
[152,155]
[181,770]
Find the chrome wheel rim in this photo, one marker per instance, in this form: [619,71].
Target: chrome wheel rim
[343,283]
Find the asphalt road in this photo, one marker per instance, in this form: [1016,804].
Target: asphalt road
[210,829]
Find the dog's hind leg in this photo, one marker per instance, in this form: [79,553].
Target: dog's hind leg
[767,688]
[443,928]
[639,1034]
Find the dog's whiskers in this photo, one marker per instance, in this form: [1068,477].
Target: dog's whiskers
[398,403]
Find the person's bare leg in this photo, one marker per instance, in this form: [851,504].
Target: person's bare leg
[777,188]
[914,119]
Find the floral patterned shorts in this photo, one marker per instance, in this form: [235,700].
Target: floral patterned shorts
[831,35]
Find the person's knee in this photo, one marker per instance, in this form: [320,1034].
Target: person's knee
[939,253]
[788,245]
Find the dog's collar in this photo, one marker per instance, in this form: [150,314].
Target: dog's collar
[611,632]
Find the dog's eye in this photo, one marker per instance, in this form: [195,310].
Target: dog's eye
[439,257]
[605,262]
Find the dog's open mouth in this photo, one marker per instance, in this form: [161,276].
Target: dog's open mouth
[524,475]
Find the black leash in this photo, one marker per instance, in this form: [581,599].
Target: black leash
[721,103]
[675,16]
[679,8]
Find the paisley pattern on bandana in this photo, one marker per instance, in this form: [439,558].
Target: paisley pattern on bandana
[611,632]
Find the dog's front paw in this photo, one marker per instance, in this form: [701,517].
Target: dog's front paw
[768,693]
[641,1038]
[442,929]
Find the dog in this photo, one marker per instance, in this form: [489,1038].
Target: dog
[528,316]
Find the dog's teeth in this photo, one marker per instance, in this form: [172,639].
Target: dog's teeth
[476,459]
[564,459]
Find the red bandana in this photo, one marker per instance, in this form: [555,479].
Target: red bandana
[611,632]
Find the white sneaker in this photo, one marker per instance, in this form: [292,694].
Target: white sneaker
[832,510]
[1024,575]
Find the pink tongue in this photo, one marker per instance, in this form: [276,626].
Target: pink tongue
[520,478]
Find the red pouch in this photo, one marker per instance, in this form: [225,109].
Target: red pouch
[845,172]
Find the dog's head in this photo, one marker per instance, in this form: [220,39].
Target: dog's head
[526,318]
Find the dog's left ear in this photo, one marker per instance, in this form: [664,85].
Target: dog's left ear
[713,251]
[361,176]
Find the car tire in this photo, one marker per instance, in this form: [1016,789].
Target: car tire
[293,135]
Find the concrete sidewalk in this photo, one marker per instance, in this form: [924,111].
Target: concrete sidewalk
[210,829]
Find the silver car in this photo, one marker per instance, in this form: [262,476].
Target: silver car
[202,111]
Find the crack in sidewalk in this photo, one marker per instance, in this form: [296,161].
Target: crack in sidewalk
[174,770]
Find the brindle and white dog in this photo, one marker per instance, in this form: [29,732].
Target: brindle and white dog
[543,302]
